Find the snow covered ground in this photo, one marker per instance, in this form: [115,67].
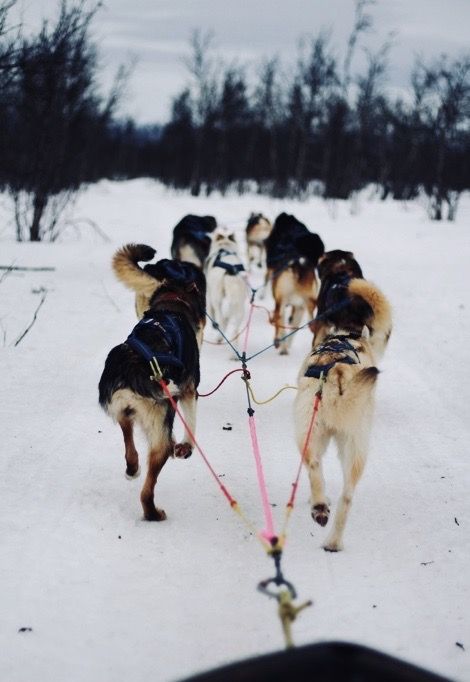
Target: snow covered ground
[111,597]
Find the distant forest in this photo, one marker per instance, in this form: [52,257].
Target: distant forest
[318,127]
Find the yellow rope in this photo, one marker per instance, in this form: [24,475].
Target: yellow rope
[264,402]
[288,613]
[251,527]
[289,509]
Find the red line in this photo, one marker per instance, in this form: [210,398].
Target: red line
[205,395]
[223,489]
[295,485]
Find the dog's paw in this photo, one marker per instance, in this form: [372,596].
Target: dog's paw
[154,514]
[130,474]
[333,546]
[182,450]
[320,514]
[284,351]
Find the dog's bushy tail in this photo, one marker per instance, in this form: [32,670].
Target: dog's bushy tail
[127,270]
[381,308]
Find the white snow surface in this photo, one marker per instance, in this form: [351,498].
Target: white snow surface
[112,597]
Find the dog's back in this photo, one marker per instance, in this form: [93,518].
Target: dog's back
[347,392]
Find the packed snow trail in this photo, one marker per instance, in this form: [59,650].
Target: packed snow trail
[109,596]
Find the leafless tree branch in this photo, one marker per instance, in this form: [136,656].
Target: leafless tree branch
[20,338]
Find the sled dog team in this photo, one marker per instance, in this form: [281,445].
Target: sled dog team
[206,279]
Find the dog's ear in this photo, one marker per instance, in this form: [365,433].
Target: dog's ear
[283,222]
[210,223]
[310,246]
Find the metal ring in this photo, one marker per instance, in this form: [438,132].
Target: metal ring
[263,587]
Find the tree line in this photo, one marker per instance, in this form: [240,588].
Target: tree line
[316,128]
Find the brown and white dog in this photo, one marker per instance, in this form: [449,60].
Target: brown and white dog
[227,289]
[258,230]
[292,255]
[347,300]
[347,359]
[127,392]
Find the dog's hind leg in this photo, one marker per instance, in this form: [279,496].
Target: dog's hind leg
[295,319]
[352,452]
[278,321]
[188,405]
[158,425]
[316,449]
[132,456]
[156,460]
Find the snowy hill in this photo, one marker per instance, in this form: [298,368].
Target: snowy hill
[111,597]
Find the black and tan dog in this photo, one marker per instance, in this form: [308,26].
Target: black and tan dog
[292,255]
[168,331]
[349,301]
[192,238]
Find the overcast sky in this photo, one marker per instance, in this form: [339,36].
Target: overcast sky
[155,33]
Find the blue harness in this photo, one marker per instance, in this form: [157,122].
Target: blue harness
[171,332]
[231,268]
[335,344]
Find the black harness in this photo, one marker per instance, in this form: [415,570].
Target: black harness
[338,343]
[168,324]
[231,268]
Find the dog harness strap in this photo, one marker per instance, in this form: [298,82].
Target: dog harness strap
[232,268]
[171,334]
[315,371]
[338,343]
[335,344]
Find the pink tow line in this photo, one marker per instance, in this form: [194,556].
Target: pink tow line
[268,532]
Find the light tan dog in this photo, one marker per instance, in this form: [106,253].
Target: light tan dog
[345,413]
[258,230]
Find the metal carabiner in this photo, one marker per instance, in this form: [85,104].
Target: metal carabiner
[264,588]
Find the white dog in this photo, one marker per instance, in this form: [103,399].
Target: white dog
[227,289]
